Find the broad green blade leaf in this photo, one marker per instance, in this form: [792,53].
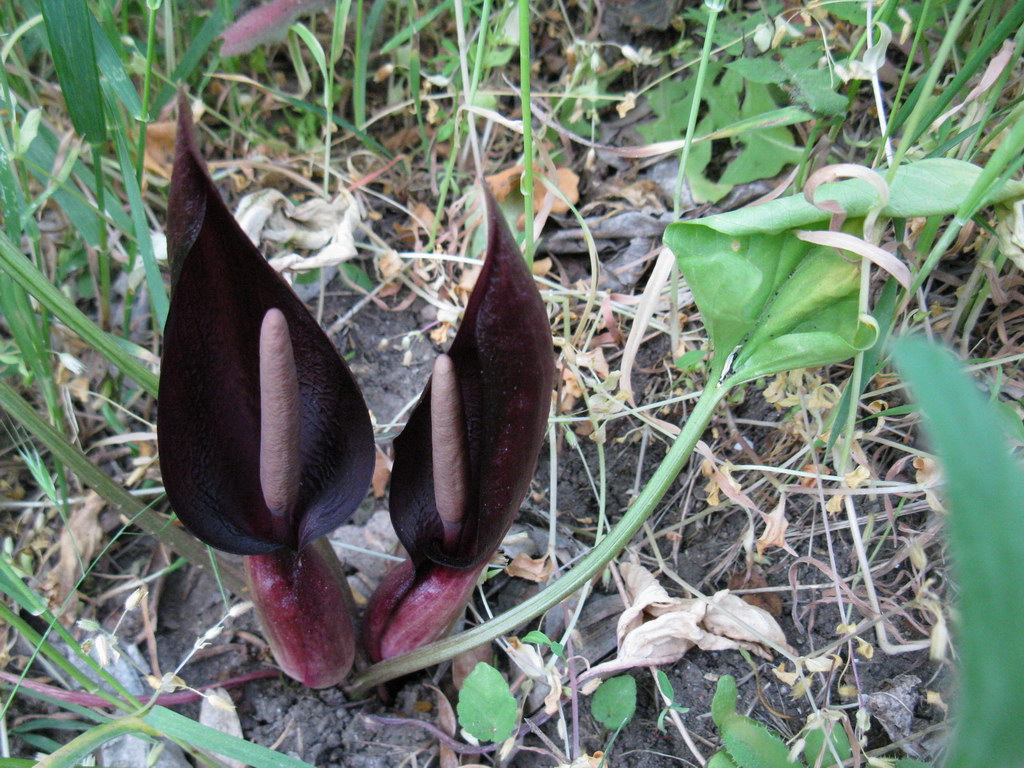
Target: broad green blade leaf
[985,494]
[71,45]
[180,727]
[932,187]
[770,302]
[487,709]
[614,702]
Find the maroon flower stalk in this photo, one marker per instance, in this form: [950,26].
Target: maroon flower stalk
[464,461]
[265,440]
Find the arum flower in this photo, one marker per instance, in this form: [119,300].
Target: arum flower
[465,459]
[265,441]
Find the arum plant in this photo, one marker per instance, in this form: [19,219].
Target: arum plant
[265,440]
[464,461]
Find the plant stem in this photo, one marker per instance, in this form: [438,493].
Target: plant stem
[151,10]
[618,537]
[526,182]
[698,90]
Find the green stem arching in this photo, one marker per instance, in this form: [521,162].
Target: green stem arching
[587,568]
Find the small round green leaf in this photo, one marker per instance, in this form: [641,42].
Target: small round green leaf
[487,709]
[615,702]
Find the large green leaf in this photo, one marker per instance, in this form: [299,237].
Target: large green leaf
[770,302]
[933,187]
[486,708]
[985,497]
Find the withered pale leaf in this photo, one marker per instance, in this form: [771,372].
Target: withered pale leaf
[79,541]
[730,616]
[532,569]
[657,629]
[775,525]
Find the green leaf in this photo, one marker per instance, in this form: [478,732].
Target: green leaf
[766,152]
[486,708]
[539,638]
[665,685]
[614,702]
[884,313]
[985,493]
[180,727]
[771,302]
[909,763]
[75,61]
[815,745]
[814,86]
[933,187]
[760,70]
[751,745]
[154,280]
[723,705]
[691,360]
[721,760]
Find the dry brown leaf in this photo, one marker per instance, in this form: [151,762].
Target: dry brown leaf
[159,155]
[466,662]
[503,182]
[447,724]
[657,629]
[532,569]
[750,626]
[79,541]
[526,658]
[775,525]
[390,265]
[568,184]
[381,474]
[541,267]
[754,578]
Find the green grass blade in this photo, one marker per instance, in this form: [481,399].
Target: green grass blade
[939,102]
[154,280]
[175,537]
[199,44]
[76,750]
[75,60]
[180,727]
[414,27]
[985,494]
[33,281]
[114,76]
